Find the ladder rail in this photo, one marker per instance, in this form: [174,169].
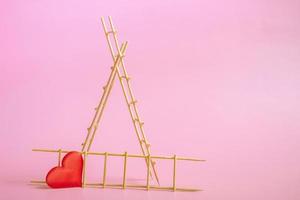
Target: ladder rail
[122,85]
[132,96]
[126,75]
[101,105]
[128,94]
[114,71]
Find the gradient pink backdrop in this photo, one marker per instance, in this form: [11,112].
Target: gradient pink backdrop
[218,80]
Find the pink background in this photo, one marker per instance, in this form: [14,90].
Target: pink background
[218,80]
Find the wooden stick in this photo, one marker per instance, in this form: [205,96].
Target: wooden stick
[59,157]
[109,85]
[133,116]
[98,113]
[107,90]
[104,169]
[174,173]
[129,103]
[134,186]
[120,154]
[84,168]
[124,172]
[134,105]
[148,171]
[121,82]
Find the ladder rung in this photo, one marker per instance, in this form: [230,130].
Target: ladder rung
[132,102]
[121,56]
[125,77]
[104,87]
[96,108]
[109,32]
[146,143]
[153,162]
[138,120]
[93,126]
[141,123]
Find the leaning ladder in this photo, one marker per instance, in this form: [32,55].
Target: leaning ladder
[119,69]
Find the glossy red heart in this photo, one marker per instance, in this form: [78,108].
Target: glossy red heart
[69,174]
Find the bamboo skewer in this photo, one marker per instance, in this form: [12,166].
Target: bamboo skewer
[148,171]
[97,117]
[174,172]
[84,168]
[133,186]
[120,155]
[104,169]
[59,157]
[122,85]
[100,105]
[103,101]
[135,116]
[108,89]
[125,166]
[132,97]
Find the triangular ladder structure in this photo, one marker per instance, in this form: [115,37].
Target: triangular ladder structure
[118,69]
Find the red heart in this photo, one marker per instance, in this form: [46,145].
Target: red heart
[69,174]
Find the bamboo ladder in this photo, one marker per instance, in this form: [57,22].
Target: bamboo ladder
[124,79]
[123,185]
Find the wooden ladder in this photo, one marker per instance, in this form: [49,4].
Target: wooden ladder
[118,69]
